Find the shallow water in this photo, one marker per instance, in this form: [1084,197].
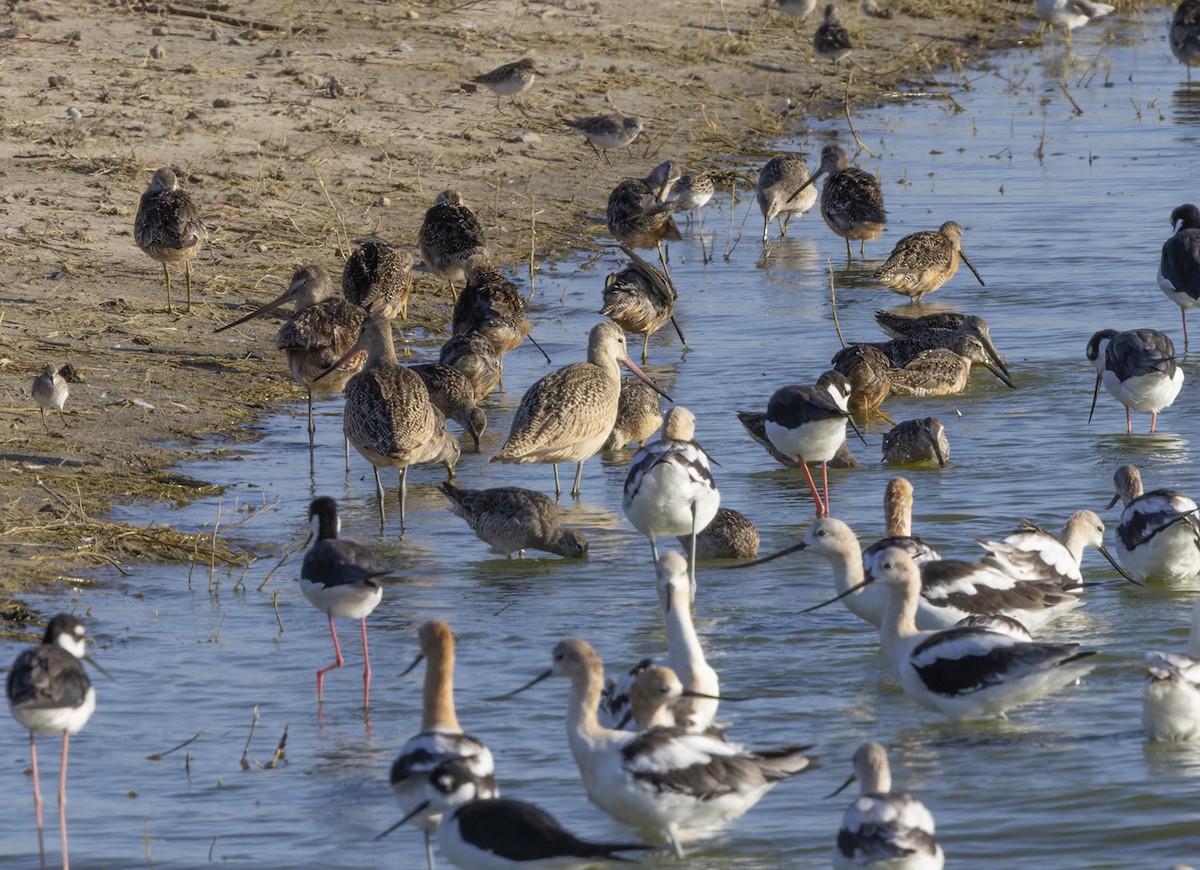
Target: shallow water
[1067,245]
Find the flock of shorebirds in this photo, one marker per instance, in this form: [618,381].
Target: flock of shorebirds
[650,750]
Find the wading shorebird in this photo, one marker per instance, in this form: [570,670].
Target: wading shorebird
[639,213]
[378,277]
[168,228]
[639,414]
[50,391]
[605,132]
[1138,369]
[917,442]
[440,748]
[884,829]
[492,306]
[449,236]
[49,693]
[922,262]
[1184,35]
[783,191]
[692,192]
[568,414]
[944,371]
[1171,702]
[475,356]
[729,536]
[851,199]
[453,394]
[510,79]
[1032,553]
[640,299]
[1158,536]
[906,326]
[512,520]
[1066,15]
[338,577]
[1179,265]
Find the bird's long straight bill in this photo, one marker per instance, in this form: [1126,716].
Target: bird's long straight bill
[1003,378]
[849,591]
[351,352]
[645,378]
[974,272]
[270,306]
[811,180]
[420,658]
[1096,395]
[937,447]
[854,426]
[419,808]
[784,552]
[841,788]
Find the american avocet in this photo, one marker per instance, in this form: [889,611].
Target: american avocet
[1158,536]
[1138,369]
[1032,553]
[949,590]
[897,523]
[640,299]
[832,40]
[692,192]
[512,520]
[453,393]
[475,356]
[729,536]
[1014,628]
[851,200]
[49,693]
[884,829]
[50,391]
[964,673]
[668,781]
[780,179]
[913,442]
[1184,37]
[450,235]
[901,325]
[439,743]
[669,489]
[605,132]
[510,79]
[339,578]
[492,306]
[388,415]
[378,277]
[639,414]
[922,262]
[1179,264]
[568,414]
[808,424]
[869,372]
[1171,703]
[323,327]
[685,657]
[1066,15]
[640,214]
[168,228]
[508,834]
[656,697]
[944,371]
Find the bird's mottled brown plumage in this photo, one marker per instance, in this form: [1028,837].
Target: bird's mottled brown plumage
[851,200]
[729,536]
[452,393]
[378,277]
[901,326]
[869,372]
[168,227]
[475,356]
[639,414]
[778,180]
[509,79]
[511,520]
[450,235]
[940,371]
[639,215]
[491,305]
[605,132]
[831,39]
[916,441]
[639,299]
[922,262]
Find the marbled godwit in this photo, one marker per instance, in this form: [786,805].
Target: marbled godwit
[729,536]
[512,520]
[50,391]
[778,183]
[1138,369]
[851,200]
[567,415]
[869,372]
[379,277]
[907,326]
[640,780]
[1066,15]
[639,213]
[492,306]
[884,829]
[453,394]
[917,442]
[1158,536]
[168,228]
[475,356]
[832,40]
[338,577]
[641,300]
[449,236]
[1032,553]
[440,747]
[639,414]
[1184,35]
[692,192]
[669,489]
[320,332]
[49,693]
[1171,703]
[1179,265]
[509,79]
[964,673]
[388,416]
[922,262]
[944,371]
[605,132]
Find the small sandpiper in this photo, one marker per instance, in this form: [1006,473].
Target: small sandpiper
[605,132]
[832,40]
[50,392]
[510,79]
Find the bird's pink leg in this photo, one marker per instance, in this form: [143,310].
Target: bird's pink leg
[815,494]
[825,484]
[1153,421]
[366,667]
[62,803]
[37,800]
[1182,310]
[337,664]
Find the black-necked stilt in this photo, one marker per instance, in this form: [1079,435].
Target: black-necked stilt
[1158,536]
[49,693]
[1066,15]
[1179,265]
[512,520]
[339,578]
[964,673]
[669,489]
[440,748]
[780,178]
[1032,553]
[667,780]
[851,199]
[168,228]
[922,262]
[1171,703]
[884,829]
[1138,368]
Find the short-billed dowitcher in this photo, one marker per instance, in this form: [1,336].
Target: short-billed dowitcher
[378,277]
[50,391]
[912,442]
[922,262]
[492,306]
[568,414]
[851,200]
[869,371]
[640,299]
[605,132]
[453,393]
[1138,369]
[1066,15]
[1184,35]
[779,182]
[449,236]
[832,40]
[1179,265]
[639,414]
[512,520]
[168,228]
[729,536]
[510,79]
[903,325]
[338,577]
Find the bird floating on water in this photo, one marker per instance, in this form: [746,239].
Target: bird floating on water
[1171,702]
[1179,265]
[168,228]
[1158,536]
[1138,369]
[922,262]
